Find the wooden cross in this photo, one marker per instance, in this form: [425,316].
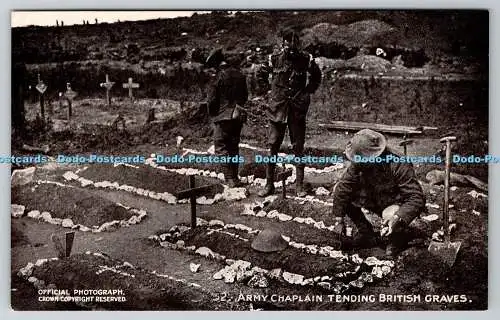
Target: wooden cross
[405,142]
[70,95]
[283,176]
[130,85]
[41,88]
[108,85]
[192,193]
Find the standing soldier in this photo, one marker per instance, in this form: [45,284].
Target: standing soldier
[226,106]
[294,77]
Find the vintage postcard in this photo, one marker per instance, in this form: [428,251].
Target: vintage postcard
[249,160]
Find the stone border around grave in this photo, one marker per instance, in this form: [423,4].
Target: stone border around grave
[255,209]
[247,179]
[240,269]
[26,273]
[228,194]
[18,210]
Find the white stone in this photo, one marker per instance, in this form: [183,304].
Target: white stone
[67,223]
[69,175]
[84,228]
[85,182]
[45,216]
[27,270]
[321,191]
[273,213]
[17,210]
[372,261]
[201,222]
[309,221]
[320,225]
[261,214]
[230,276]
[40,262]
[133,220]
[32,279]
[194,267]
[293,278]
[258,281]
[35,214]
[206,252]
[324,285]
[477,213]
[356,259]
[299,219]
[313,249]
[180,243]
[432,205]
[431,217]
[386,270]
[476,194]
[56,221]
[284,217]
[336,254]
[216,223]
[218,275]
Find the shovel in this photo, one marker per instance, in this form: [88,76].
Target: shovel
[446,250]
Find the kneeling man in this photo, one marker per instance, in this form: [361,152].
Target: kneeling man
[389,189]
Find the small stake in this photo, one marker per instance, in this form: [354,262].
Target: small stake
[70,236]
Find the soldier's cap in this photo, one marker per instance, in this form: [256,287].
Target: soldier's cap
[215,58]
[366,143]
[269,241]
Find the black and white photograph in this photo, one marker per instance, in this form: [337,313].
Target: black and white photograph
[267,160]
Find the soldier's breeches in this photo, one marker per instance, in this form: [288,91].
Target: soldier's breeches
[297,132]
[227,137]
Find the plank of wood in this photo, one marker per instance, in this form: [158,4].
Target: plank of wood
[197,192]
[347,125]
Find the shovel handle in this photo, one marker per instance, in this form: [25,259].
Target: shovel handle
[446,217]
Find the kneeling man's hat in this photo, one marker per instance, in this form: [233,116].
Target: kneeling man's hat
[366,143]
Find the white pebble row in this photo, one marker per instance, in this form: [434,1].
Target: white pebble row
[68,223]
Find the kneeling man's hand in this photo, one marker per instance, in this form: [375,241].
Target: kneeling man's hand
[390,225]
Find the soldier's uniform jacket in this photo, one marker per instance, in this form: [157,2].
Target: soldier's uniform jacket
[227,93]
[293,79]
[375,190]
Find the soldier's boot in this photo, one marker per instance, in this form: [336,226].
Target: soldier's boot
[269,188]
[234,175]
[299,183]
[227,170]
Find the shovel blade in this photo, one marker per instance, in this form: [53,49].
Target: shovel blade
[446,251]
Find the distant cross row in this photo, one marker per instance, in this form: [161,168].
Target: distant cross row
[70,95]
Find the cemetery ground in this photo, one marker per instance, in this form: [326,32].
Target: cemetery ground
[131,232]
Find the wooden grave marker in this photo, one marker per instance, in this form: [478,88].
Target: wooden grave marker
[41,88]
[108,85]
[130,85]
[69,95]
[192,193]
